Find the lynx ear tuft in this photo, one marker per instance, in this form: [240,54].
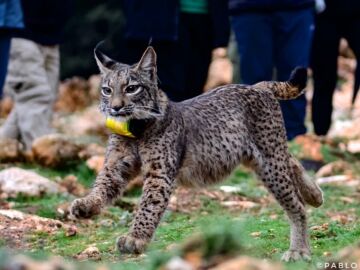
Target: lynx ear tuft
[148,62]
[104,63]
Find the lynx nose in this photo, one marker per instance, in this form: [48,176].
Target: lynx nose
[114,111]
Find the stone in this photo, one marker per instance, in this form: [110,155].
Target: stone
[91,150]
[247,263]
[55,150]
[72,185]
[90,121]
[73,95]
[15,225]
[24,262]
[15,181]
[96,163]
[310,147]
[177,263]
[10,150]
[334,168]
[94,83]
[6,105]
[90,253]
[220,73]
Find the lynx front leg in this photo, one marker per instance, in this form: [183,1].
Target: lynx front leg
[156,193]
[120,167]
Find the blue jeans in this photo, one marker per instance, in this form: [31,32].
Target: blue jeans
[278,40]
[4,59]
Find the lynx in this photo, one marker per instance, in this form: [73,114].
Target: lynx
[195,143]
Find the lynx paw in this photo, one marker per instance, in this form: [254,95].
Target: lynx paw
[296,255]
[129,244]
[85,208]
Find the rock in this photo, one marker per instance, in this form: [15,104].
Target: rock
[90,253]
[71,231]
[220,73]
[354,146]
[333,168]
[347,258]
[184,200]
[135,183]
[247,263]
[16,224]
[23,262]
[10,150]
[255,234]
[73,95]
[107,223]
[12,214]
[91,150]
[177,263]
[310,147]
[15,181]
[338,179]
[94,83]
[230,189]
[72,185]
[241,204]
[6,105]
[55,150]
[88,122]
[62,210]
[96,163]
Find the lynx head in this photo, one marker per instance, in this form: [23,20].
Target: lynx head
[130,92]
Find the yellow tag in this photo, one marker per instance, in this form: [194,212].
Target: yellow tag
[121,128]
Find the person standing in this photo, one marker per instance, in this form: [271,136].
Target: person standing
[34,70]
[274,34]
[10,20]
[341,19]
[186,34]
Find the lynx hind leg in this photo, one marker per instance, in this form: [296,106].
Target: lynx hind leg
[276,177]
[309,190]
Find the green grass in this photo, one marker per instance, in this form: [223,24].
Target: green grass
[176,228]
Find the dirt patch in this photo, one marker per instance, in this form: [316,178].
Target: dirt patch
[187,200]
[15,225]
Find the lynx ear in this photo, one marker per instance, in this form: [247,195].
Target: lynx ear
[147,62]
[104,63]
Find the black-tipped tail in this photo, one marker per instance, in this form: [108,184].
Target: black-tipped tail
[298,77]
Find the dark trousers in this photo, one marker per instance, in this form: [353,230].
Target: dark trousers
[278,40]
[4,58]
[183,64]
[328,32]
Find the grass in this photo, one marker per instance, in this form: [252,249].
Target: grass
[219,225]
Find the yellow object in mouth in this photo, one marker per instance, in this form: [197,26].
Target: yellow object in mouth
[121,128]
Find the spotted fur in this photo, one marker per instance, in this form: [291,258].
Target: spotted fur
[196,142]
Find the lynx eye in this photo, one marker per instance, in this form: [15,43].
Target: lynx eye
[133,89]
[106,91]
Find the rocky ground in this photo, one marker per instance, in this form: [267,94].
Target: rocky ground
[233,225]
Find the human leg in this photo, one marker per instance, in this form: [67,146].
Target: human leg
[351,31]
[32,92]
[324,66]
[292,48]
[254,36]
[197,42]
[5,41]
